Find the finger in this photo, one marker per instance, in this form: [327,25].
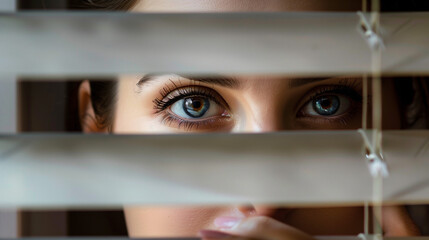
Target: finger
[260,227]
[397,222]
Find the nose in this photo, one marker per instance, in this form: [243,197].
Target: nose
[262,111]
[264,210]
[256,210]
[262,114]
[264,122]
[264,126]
[277,213]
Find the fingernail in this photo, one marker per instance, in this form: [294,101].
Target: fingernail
[212,234]
[226,222]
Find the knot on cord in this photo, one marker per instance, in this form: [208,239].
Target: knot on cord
[377,166]
[373,40]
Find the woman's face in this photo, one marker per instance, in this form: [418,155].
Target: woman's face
[241,103]
[183,104]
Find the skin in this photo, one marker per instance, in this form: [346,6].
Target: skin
[257,106]
[245,5]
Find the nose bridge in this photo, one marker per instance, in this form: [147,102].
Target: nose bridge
[264,116]
[264,124]
[264,105]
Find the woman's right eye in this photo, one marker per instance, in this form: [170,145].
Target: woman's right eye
[196,107]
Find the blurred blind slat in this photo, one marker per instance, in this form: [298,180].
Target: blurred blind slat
[8,218]
[295,43]
[8,105]
[291,168]
[7,5]
[8,223]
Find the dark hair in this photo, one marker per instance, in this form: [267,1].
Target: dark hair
[103,91]
[103,98]
[113,5]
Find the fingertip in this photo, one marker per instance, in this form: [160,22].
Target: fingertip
[227,223]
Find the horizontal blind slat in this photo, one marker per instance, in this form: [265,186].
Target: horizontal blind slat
[295,168]
[277,43]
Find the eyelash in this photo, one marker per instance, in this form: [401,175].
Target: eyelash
[348,90]
[186,124]
[337,89]
[171,94]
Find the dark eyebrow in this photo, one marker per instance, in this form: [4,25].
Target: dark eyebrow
[223,81]
[298,82]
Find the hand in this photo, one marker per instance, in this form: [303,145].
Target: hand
[258,227]
[396,222]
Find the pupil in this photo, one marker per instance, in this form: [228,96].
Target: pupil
[326,105]
[196,107]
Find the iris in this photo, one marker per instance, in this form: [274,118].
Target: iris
[326,105]
[196,107]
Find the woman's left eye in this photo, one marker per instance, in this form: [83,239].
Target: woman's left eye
[196,107]
[327,105]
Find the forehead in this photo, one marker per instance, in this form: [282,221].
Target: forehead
[246,5]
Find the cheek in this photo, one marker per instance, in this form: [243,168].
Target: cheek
[172,221]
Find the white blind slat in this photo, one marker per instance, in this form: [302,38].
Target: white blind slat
[292,43]
[302,168]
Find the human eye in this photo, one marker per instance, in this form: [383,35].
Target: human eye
[193,108]
[335,105]
[328,105]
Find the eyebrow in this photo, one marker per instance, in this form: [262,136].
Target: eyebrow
[228,82]
[298,82]
[219,80]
